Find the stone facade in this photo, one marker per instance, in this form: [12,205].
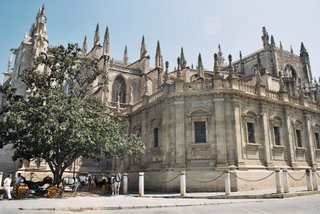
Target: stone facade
[252,115]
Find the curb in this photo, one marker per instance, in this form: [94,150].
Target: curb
[256,197]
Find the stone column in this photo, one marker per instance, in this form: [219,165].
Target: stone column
[290,141]
[309,179]
[266,135]
[183,187]
[285,181]
[309,141]
[141,183]
[222,157]
[179,132]
[227,185]
[278,181]
[314,180]
[238,136]
[125,183]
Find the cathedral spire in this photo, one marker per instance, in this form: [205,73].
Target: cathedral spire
[125,56]
[265,38]
[8,72]
[96,36]
[106,43]
[85,46]
[143,49]
[291,50]
[273,44]
[240,55]
[200,67]
[183,62]
[159,60]
[220,56]
[302,48]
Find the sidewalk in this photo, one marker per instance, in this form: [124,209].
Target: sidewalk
[132,201]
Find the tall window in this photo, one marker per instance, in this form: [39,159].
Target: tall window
[298,135]
[119,90]
[317,139]
[200,132]
[250,127]
[276,131]
[156,137]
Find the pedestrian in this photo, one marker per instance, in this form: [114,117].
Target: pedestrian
[7,185]
[18,179]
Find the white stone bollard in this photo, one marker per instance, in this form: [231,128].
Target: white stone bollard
[285,181]
[309,179]
[141,183]
[125,183]
[278,181]
[183,188]
[227,185]
[1,176]
[314,180]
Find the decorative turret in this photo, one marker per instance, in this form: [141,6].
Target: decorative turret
[303,52]
[220,57]
[265,38]
[38,32]
[143,49]
[304,57]
[241,63]
[166,74]
[96,36]
[281,48]
[291,50]
[8,72]
[273,44]
[125,56]
[158,60]
[85,46]
[41,20]
[106,43]
[183,62]
[200,67]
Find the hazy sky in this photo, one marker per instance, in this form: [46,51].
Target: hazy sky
[197,25]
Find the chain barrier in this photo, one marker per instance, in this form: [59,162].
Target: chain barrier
[34,174]
[255,180]
[163,182]
[295,179]
[206,181]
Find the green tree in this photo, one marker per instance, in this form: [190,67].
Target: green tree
[59,120]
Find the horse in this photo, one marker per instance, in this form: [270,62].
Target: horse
[75,182]
[115,183]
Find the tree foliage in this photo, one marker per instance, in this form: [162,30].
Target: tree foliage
[58,120]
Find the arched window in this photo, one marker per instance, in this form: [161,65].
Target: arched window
[290,72]
[119,90]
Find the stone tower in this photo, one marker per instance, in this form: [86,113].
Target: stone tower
[34,43]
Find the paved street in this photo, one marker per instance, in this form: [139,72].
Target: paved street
[249,202]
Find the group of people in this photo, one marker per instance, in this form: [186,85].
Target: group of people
[7,185]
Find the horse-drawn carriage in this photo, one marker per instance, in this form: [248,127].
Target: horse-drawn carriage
[107,184]
[47,188]
[39,188]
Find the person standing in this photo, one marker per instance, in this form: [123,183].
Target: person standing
[19,179]
[7,185]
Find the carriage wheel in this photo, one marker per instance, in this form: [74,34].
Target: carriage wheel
[52,191]
[20,191]
[105,188]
